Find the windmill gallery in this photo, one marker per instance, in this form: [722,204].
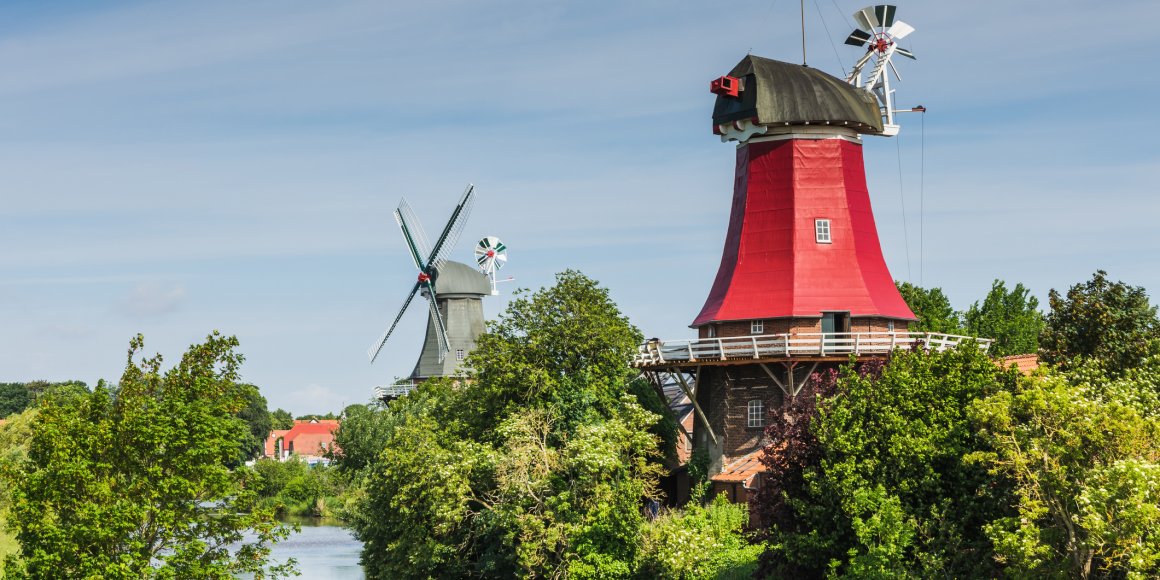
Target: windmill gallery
[802,284]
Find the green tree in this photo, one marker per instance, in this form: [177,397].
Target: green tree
[316,417]
[41,389]
[258,423]
[1012,318]
[888,495]
[534,465]
[14,398]
[416,521]
[281,419]
[932,308]
[1111,323]
[361,436]
[1086,478]
[133,483]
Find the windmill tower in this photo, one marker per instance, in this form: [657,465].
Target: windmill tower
[802,282]
[454,292]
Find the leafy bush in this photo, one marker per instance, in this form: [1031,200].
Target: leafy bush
[294,488]
[699,542]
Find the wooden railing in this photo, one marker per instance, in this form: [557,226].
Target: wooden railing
[395,390]
[766,346]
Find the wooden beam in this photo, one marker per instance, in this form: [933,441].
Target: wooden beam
[654,379]
[776,380]
[797,388]
[696,406]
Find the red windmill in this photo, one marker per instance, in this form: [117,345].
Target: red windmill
[802,282]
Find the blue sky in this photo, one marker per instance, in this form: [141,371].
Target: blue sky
[171,168]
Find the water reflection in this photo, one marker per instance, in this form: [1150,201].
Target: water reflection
[323,549]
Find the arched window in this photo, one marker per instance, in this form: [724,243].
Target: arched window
[756,413]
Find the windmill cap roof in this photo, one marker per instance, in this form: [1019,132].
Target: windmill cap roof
[459,278]
[780,93]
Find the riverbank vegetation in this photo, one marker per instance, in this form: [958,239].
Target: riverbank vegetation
[293,488]
[134,481]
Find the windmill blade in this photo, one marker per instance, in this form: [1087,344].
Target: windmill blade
[374,351]
[453,229]
[413,232]
[866,19]
[437,318]
[858,37]
[900,30]
[904,52]
[885,15]
[410,237]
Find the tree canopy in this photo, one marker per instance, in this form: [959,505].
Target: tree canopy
[1010,317]
[884,493]
[258,424]
[1087,482]
[14,398]
[281,419]
[132,481]
[932,308]
[1107,322]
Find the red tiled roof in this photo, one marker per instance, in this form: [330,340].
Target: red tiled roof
[303,427]
[742,470]
[1024,363]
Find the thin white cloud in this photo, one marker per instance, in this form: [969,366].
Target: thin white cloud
[154,299]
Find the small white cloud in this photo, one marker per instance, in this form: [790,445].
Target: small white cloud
[153,299]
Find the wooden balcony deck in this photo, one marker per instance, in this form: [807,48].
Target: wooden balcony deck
[395,390]
[835,346]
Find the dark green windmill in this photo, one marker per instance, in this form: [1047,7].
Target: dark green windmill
[454,293]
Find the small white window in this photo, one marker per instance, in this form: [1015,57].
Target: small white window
[712,332]
[890,325]
[822,229]
[756,326]
[756,413]
[459,354]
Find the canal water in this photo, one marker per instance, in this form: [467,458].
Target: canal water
[324,549]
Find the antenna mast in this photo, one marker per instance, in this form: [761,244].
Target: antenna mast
[802,5]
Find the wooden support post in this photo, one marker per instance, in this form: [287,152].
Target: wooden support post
[789,378]
[696,406]
[654,378]
[776,380]
[797,387]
